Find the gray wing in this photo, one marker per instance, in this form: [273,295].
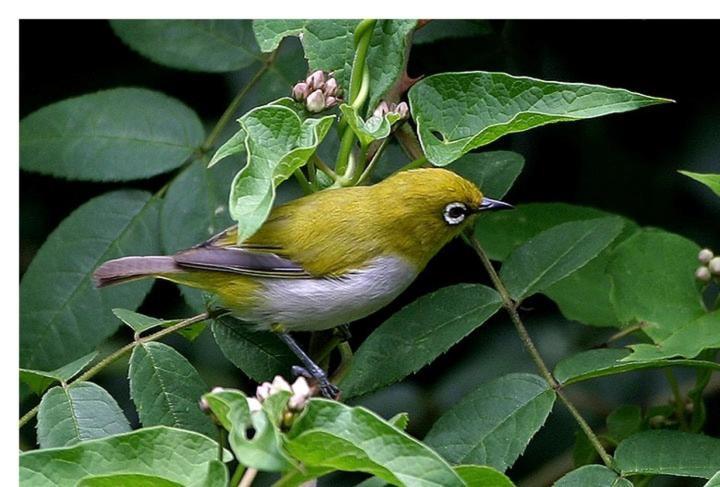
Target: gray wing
[240,261]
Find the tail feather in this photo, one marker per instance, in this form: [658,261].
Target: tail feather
[130,268]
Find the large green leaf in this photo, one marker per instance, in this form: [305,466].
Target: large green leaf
[609,361]
[493,424]
[592,475]
[458,112]
[493,172]
[255,437]
[481,475]
[166,389]
[687,341]
[181,456]
[62,315]
[417,334]
[83,411]
[555,253]
[112,135]
[259,354]
[664,452]
[39,380]
[278,142]
[197,45]
[712,181]
[440,29]
[714,480]
[653,281]
[330,434]
[133,479]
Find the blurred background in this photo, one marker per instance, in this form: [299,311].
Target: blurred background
[623,163]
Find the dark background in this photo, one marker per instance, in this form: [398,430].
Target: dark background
[624,164]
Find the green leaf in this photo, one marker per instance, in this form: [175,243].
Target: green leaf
[182,456]
[493,172]
[493,424]
[133,479]
[595,475]
[609,361]
[714,481]
[387,57]
[375,128]
[112,135]
[166,389]
[458,112]
[712,181]
[234,145]
[62,315]
[264,449]
[653,281]
[450,29]
[555,253]
[278,142]
[417,334]
[39,380]
[213,46]
[330,434]
[624,421]
[687,341]
[259,354]
[477,475]
[83,411]
[400,421]
[138,321]
[664,452]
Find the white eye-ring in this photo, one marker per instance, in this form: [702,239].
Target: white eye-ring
[455,213]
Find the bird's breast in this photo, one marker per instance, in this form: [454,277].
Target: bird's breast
[322,303]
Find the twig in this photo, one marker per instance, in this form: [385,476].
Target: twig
[248,477]
[677,398]
[511,307]
[92,371]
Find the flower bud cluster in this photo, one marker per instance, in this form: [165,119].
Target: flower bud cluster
[397,108]
[319,91]
[299,389]
[710,266]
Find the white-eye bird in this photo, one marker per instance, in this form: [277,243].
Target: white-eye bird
[325,259]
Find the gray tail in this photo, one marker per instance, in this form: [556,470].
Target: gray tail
[131,268]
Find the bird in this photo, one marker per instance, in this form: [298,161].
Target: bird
[325,259]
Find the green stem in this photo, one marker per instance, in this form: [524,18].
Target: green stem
[346,145]
[371,165]
[235,104]
[363,35]
[92,371]
[304,183]
[237,475]
[346,358]
[677,398]
[320,164]
[511,307]
[419,162]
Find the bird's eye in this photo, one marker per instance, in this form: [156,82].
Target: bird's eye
[455,213]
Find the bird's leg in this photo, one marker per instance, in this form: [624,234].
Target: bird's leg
[328,390]
[343,332]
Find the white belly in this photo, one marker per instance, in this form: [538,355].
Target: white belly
[319,304]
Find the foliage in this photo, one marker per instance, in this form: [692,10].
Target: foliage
[600,269]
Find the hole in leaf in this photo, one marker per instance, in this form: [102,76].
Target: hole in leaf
[250,433]
[438,135]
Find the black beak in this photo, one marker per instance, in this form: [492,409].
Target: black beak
[489,204]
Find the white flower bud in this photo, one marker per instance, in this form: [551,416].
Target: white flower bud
[300,91]
[204,405]
[705,256]
[714,266]
[702,274]
[301,387]
[402,109]
[330,87]
[330,101]
[316,80]
[253,404]
[381,110]
[315,102]
[215,390]
[279,384]
[263,391]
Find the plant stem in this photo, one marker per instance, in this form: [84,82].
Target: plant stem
[237,475]
[363,34]
[511,307]
[677,398]
[248,477]
[92,371]
[371,165]
[419,162]
[324,167]
[346,357]
[235,103]
[409,141]
[303,182]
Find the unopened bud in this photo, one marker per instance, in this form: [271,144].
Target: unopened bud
[300,91]
[253,404]
[330,88]
[402,110]
[714,266]
[301,387]
[381,110]
[702,274]
[279,384]
[263,391]
[705,256]
[216,390]
[330,101]
[315,102]
[204,405]
[316,80]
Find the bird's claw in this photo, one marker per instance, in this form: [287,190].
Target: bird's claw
[327,388]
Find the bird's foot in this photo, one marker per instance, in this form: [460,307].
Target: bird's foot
[327,388]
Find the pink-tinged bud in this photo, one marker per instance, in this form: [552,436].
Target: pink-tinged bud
[279,384]
[714,266]
[300,91]
[301,387]
[263,391]
[402,109]
[705,256]
[330,87]
[330,101]
[702,274]
[381,110]
[253,404]
[316,80]
[315,102]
